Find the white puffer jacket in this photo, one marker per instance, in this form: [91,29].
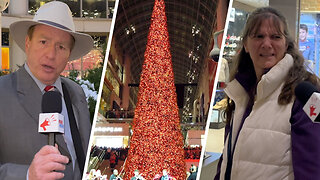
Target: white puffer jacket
[263,149]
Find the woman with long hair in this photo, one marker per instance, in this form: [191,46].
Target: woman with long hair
[268,135]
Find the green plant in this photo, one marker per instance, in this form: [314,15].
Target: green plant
[73,74]
[94,76]
[92,104]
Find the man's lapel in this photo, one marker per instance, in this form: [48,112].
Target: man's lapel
[29,94]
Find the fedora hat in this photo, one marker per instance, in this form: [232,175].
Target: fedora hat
[58,15]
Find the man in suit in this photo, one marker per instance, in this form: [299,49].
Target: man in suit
[49,41]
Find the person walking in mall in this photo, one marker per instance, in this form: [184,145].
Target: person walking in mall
[49,41]
[268,135]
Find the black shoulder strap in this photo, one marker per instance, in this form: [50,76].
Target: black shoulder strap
[74,130]
[227,174]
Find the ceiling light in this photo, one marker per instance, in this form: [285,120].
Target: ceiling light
[133,28]
[127,31]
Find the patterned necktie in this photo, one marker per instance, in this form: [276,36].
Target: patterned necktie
[49,88]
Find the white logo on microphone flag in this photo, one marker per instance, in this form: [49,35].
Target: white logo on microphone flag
[51,122]
[312,107]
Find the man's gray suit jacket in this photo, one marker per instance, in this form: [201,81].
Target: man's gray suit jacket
[20,105]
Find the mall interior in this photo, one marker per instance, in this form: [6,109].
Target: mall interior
[191,27]
[296,12]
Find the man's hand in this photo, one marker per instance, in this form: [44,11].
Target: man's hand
[46,162]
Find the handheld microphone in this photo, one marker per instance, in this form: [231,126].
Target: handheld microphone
[308,94]
[50,120]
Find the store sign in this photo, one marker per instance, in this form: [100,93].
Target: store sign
[109,129]
[112,129]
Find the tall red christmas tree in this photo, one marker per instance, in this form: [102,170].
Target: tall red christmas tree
[157,141]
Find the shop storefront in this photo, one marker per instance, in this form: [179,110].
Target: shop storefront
[309,34]
[114,135]
[195,138]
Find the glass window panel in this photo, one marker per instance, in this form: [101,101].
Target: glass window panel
[74,6]
[105,104]
[99,41]
[5,38]
[111,4]
[94,9]
[119,70]
[34,5]
[113,81]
